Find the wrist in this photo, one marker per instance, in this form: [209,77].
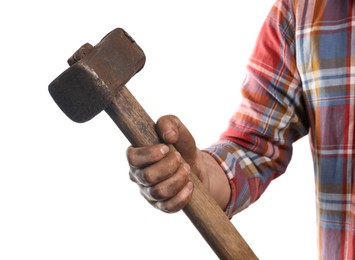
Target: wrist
[214,178]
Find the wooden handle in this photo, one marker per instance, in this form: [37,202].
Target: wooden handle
[202,210]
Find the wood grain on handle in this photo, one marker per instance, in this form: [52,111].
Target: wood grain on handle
[202,210]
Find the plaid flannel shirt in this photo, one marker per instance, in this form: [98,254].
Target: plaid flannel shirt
[300,80]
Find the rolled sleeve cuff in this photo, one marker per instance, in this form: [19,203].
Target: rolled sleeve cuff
[225,153]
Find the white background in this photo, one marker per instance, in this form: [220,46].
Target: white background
[64,187]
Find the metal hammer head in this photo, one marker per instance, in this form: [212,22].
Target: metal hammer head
[90,84]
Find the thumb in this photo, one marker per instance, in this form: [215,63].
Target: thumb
[173,131]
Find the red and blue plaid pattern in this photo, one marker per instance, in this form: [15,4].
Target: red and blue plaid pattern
[300,80]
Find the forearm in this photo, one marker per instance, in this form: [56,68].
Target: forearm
[214,179]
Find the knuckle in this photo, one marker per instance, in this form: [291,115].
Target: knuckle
[145,192]
[148,176]
[132,176]
[165,119]
[166,126]
[143,156]
[132,162]
[158,193]
[167,207]
[131,156]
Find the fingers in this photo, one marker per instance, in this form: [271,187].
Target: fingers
[157,172]
[169,187]
[177,202]
[162,175]
[144,156]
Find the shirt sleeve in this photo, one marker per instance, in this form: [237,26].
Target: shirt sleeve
[257,145]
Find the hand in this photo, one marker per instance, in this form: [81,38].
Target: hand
[163,176]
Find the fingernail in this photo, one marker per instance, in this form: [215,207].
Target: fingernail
[178,156]
[164,149]
[189,186]
[186,167]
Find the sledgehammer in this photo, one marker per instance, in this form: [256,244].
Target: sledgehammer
[95,81]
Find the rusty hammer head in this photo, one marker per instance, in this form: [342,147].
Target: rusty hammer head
[96,74]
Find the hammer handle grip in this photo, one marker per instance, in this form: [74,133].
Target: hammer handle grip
[202,210]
